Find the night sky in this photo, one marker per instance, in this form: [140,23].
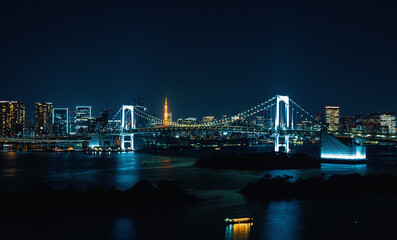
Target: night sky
[208,58]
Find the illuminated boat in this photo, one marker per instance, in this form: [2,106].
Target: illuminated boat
[239,220]
[334,151]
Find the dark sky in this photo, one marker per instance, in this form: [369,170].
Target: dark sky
[208,57]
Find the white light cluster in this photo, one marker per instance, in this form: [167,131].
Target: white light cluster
[344,156]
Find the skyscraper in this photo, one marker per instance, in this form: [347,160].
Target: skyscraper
[82,119]
[12,118]
[60,121]
[166,113]
[332,118]
[106,115]
[388,123]
[43,118]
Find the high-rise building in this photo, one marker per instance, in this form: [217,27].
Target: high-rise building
[166,113]
[105,117]
[332,118]
[319,117]
[82,119]
[43,118]
[373,123]
[12,118]
[388,123]
[60,121]
[30,127]
[169,118]
[208,119]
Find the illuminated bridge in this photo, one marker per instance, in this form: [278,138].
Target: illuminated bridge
[282,119]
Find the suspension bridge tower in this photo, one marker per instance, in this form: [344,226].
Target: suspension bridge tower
[127,123]
[282,122]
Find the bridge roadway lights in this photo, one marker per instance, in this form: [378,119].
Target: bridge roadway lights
[127,141]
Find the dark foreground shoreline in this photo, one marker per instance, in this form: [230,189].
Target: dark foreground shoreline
[142,194]
[261,161]
[281,187]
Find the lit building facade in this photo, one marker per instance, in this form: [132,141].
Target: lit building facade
[106,115]
[44,118]
[169,118]
[60,121]
[12,118]
[332,118]
[388,123]
[82,119]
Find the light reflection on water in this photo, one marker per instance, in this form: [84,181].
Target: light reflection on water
[237,231]
[123,228]
[283,220]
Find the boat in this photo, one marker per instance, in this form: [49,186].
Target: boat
[239,220]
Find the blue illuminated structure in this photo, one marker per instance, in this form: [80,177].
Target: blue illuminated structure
[334,151]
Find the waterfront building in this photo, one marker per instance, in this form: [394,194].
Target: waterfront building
[43,118]
[191,121]
[82,119]
[332,118]
[30,127]
[319,117]
[93,124]
[106,115]
[12,118]
[373,123]
[388,123]
[170,118]
[114,124]
[60,121]
[224,120]
[208,119]
[187,121]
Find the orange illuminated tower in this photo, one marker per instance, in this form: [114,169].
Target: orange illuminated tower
[166,113]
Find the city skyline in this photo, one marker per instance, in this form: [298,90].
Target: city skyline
[97,112]
[187,51]
[218,119]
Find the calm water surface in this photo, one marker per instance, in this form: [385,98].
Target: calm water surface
[366,217]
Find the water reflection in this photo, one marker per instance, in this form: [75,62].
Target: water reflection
[237,231]
[283,220]
[123,228]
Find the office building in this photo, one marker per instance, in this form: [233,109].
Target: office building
[60,121]
[12,118]
[82,117]
[43,118]
[332,118]
[106,115]
[388,123]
